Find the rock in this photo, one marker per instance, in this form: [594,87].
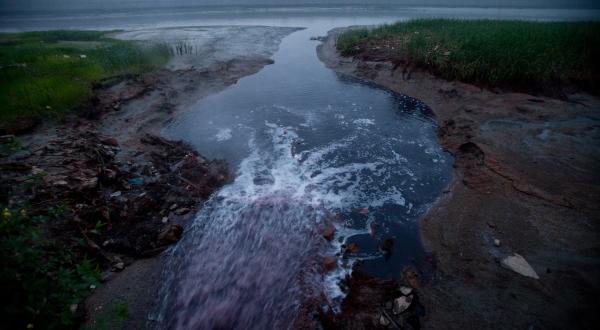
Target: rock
[119,266]
[73,308]
[328,231]
[82,56]
[401,304]
[329,263]
[115,194]
[406,290]
[518,264]
[352,248]
[496,242]
[170,234]
[165,219]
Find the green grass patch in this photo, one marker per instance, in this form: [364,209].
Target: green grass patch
[45,74]
[42,281]
[512,54]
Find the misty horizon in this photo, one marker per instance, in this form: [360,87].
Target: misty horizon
[62,5]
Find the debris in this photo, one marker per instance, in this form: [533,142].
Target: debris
[383,321]
[135,181]
[119,266]
[115,194]
[496,242]
[519,265]
[406,290]
[401,304]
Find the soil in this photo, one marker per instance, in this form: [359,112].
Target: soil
[116,189]
[526,174]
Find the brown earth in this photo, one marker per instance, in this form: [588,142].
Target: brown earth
[527,174]
[117,190]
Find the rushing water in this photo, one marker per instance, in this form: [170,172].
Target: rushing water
[309,146]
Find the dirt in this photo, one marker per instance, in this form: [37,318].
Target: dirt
[526,181]
[115,189]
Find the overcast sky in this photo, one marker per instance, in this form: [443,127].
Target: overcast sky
[9,5]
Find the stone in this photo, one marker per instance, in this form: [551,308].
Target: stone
[182,211]
[401,304]
[170,234]
[519,265]
[352,248]
[119,266]
[496,242]
[327,231]
[115,194]
[329,263]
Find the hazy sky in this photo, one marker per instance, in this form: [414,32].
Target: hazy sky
[107,4]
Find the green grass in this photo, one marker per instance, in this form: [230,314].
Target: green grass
[42,74]
[512,54]
[41,280]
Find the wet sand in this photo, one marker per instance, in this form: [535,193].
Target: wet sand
[526,173]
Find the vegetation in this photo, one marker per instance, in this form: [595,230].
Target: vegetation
[47,73]
[41,281]
[513,54]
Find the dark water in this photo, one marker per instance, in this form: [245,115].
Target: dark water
[308,146]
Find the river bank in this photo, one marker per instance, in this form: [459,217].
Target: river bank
[525,182]
[114,191]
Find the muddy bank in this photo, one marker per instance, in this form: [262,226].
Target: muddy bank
[525,181]
[123,191]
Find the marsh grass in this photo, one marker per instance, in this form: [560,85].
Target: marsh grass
[43,74]
[513,54]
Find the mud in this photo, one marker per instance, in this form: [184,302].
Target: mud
[526,174]
[117,185]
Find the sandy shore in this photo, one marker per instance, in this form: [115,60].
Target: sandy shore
[526,174]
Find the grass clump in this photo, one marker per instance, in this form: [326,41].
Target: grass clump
[41,281]
[45,74]
[513,54]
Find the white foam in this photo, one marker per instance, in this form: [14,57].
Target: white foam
[223,134]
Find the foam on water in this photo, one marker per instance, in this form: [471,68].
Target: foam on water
[313,149]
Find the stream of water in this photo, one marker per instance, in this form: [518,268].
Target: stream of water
[309,146]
